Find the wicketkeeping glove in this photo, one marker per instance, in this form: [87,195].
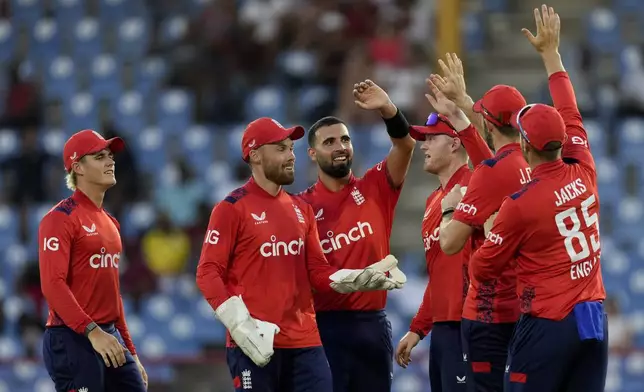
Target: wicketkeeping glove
[254,337]
[374,277]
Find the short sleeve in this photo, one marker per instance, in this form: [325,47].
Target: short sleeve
[380,185]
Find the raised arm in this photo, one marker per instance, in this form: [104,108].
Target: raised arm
[370,96]
[546,43]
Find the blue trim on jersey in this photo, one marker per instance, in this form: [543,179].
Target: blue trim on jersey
[236,195]
[66,206]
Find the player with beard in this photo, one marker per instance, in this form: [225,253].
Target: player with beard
[355,218]
[490,310]
[262,245]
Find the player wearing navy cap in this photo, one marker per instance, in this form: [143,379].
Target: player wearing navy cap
[86,343]
[550,228]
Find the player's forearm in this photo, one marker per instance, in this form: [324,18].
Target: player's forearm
[563,98]
[61,301]
[399,158]
[423,321]
[552,62]
[448,239]
[466,104]
[211,285]
[476,148]
[121,326]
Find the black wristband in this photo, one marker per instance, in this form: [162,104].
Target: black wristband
[90,327]
[397,126]
[448,211]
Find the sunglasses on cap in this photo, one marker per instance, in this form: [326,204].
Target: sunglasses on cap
[496,120]
[434,119]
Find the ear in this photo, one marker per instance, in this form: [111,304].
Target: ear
[78,168]
[254,156]
[311,152]
[456,144]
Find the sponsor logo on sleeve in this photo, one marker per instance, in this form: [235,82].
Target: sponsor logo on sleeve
[51,244]
[212,237]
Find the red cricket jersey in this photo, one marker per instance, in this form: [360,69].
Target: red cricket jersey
[551,226]
[79,253]
[491,182]
[265,248]
[354,226]
[448,278]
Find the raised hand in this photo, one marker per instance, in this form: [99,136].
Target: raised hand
[370,96]
[452,83]
[439,100]
[548,28]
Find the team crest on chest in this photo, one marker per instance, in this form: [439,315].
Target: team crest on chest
[357,196]
[298,213]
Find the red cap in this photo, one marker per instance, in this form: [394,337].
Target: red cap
[499,103]
[441,127]
[539,125]
[266,131]
[88,142]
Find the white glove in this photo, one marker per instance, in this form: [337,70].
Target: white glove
[371,278]
[254,337]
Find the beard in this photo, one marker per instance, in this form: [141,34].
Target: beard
[488,137]
[336,169]
[277,173]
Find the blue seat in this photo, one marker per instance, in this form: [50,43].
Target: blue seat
[151,73]
[628,7]
[9,226]
[137,218]
[174,111]
[9,143]
[81,112]
[234,135]
[631,140]
[46,40]
[86,39]
[198,147]
[597,137]
[207,328]
[105,77]
[68,12]
[495,5]
[111,11]
[173,29]
[149,149]
[473,32]
[60,79]
[603,31]
[267,101]
[7,41]
[311,98]
[609,180]
[34,216]
[630,214]
[133,38]
[26,12]
[128,112]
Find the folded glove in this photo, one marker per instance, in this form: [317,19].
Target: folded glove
[254,337]
[374,277]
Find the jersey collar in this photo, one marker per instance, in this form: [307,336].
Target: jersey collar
[320,187]
[510,146]
[79,197]
[253,187]
[456,177]
[546,169]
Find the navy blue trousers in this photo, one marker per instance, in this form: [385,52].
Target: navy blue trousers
[485,346]
[551,356]
[447,368]
[360,350]
[290,370]
[73,364]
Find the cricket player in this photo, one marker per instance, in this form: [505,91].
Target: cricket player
[490,310]
[442,305]
[86,346]
[355,218]
[551,228]
[260,264]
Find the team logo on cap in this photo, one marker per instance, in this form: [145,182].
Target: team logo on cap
[251,144]
[73,157]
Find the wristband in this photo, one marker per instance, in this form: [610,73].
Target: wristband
[397,126]
[90,327]
[448,211]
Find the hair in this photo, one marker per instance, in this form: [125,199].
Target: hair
[323,122]
[508,131]
[550,152]
[70,180]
